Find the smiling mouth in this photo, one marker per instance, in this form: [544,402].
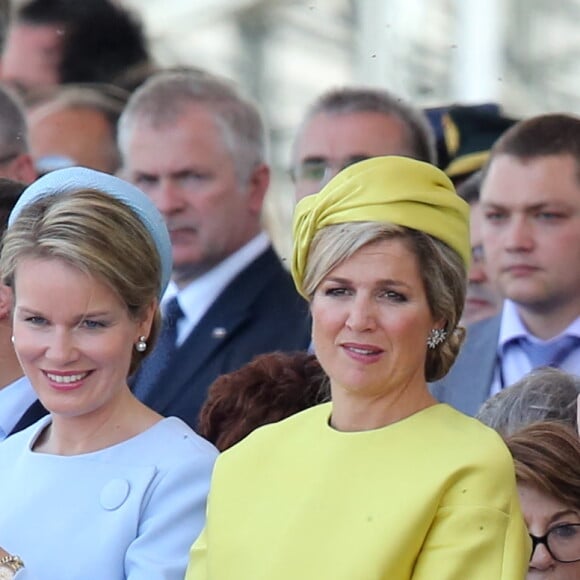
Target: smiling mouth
[362,350]
[67,379]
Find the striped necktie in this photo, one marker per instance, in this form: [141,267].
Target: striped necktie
[550,354]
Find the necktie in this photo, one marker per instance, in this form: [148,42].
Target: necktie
[154,364]
[551,354]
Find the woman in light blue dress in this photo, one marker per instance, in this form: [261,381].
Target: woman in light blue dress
[103,487]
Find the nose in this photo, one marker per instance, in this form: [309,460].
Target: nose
[361,315]
[477,274]
[61,348]
[519,235]
[168,197]
[329,173]
[541,558]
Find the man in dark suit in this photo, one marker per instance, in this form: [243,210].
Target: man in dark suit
[530,199]
[198,149]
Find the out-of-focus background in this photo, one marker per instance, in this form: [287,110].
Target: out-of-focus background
[520,54]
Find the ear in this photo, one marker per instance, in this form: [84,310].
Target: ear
[5,302]
[23,169]
[257,188]
[144,325]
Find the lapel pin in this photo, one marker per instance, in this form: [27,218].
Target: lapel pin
[219,332]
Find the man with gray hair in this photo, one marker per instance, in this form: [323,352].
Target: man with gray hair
[198,149]
[15,160]
[350,124]
[76,125]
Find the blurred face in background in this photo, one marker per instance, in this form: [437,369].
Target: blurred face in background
[33,54]
[482,299]
[330,142]
[189,173]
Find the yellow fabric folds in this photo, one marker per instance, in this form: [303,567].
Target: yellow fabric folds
[391,189]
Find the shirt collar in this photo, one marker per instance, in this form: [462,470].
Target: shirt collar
[196,298]
[512,327]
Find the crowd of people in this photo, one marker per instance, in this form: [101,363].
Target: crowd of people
[398,401]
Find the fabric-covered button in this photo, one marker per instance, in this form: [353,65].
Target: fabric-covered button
[114,494]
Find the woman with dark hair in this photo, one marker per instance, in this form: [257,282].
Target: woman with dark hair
[547,460]
[271,387]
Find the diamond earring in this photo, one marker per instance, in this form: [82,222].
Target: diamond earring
[436,337]
[141,344]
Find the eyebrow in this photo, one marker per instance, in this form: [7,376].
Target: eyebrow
[561,514]
[535,206]
[84,316]
[382,282]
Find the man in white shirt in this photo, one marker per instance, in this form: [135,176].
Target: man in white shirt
[530,200]
[198,149]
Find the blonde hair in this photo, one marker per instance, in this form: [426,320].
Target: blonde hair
[98,235]
[441,268]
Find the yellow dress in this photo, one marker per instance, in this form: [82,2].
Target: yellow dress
[432,497]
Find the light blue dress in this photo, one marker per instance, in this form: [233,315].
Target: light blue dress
[130,511]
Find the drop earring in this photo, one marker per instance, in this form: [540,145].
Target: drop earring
[141,344]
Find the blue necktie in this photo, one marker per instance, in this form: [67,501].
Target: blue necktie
[153,366]
[551,354]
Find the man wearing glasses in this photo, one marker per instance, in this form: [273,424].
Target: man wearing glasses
[347,125]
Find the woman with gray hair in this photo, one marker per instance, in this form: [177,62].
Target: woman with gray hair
[545,394]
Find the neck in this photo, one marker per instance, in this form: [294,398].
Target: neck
[10,368]
[547,323]
[186,274]
[90,432]
[353,412]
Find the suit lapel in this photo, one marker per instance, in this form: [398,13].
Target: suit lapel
[218,326]
[477,365]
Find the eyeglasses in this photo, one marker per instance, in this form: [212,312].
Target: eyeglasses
[562,542]
[321,170]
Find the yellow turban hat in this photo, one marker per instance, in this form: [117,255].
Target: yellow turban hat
[398,190]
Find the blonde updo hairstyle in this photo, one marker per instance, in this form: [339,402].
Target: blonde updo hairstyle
[441,268]
[100,236]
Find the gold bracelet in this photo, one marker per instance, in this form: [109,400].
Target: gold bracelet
[14,563]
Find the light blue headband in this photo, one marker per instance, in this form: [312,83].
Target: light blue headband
[77,178]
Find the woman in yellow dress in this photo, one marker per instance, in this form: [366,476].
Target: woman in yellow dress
[383,482]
